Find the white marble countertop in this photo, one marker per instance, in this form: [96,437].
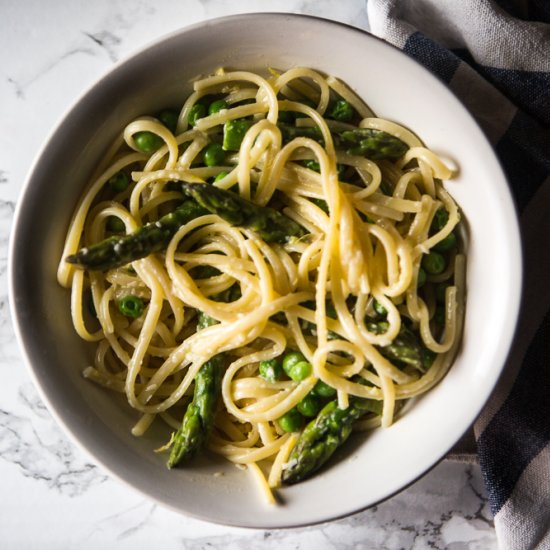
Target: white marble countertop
[53,497]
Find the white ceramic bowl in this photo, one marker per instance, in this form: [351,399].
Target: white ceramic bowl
[373,467]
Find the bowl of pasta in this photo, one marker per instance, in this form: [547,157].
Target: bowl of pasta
[263,292]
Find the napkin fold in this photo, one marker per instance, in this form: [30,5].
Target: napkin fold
[495,56]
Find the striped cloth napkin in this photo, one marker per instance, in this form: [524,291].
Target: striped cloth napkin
[495,56]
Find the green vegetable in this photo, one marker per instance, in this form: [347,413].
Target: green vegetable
[405,348]
[385,188]
[217,106]
[421,280]
[271,370]
[152,237]
[289,132]
[312,165]
[440,219]
[379,308]
[119,182]
[439,316]
[198,420]
[341,110]
[195,113]
[323,390]
[272,226]
[307,102]
[292,358]
[374,144]
[204,272]
[286,117]
[323,435]
[434,263]
[446,244]
[172,186]
[213,155]
[300,371]
[321,203]
[309,406]
[221,175]
[90,304]
[115,224]
[169,117]
[291,421]
[147,142]
[131,306]
[234,132]
[428,357]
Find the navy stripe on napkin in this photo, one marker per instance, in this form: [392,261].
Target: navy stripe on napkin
[521,151]
[534,10]
[517,433]
[529,90]
[434,57]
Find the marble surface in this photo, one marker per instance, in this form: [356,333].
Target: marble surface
[53,496]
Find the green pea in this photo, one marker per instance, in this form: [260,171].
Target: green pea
[434,263]
[291,421]
[213,155]
[271,370]
[217,106]
[119,182]
[322,389]
[131,306]
[440,291]
[300,371]
[221,175]
[421,280]
[309,406]
[115,224]
[341,110]
[292,358]
[440,219]
[379,308]
[234,132]
[197,111]
[169,117]
[448,243]
[147,142]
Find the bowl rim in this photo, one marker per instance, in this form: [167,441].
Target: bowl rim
[515,247]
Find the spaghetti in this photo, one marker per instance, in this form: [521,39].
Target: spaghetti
[368,299]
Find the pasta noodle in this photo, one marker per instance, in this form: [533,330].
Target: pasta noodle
[369,296]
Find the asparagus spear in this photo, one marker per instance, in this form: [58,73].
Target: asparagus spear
[290,132]
[271,225]
[405,347]
[152,237]
[198,420]
[323,435]
[374,144]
